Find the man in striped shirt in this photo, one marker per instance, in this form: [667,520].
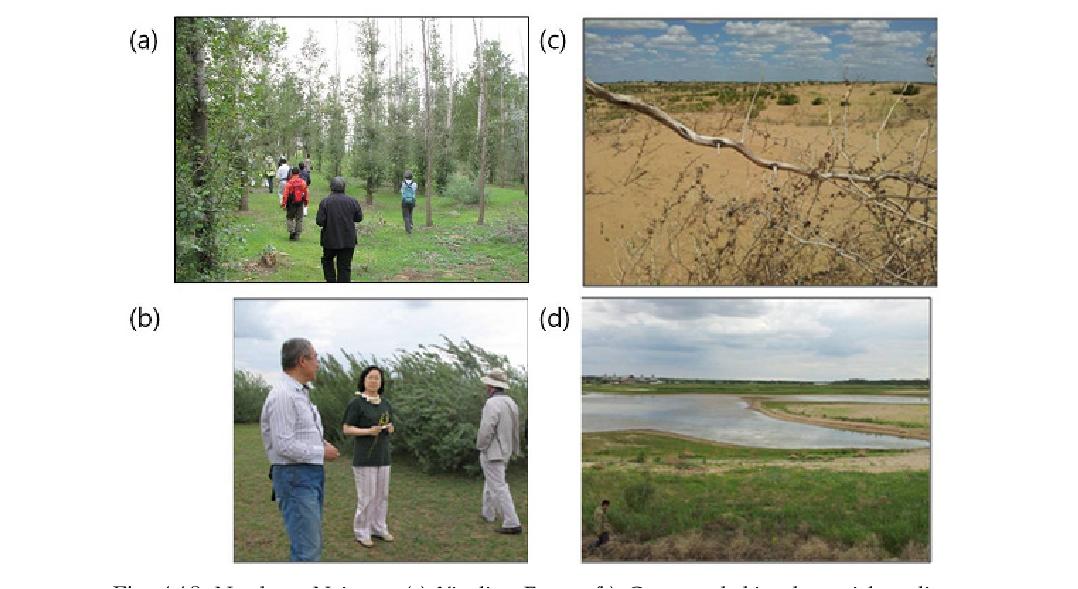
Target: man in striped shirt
[296,447]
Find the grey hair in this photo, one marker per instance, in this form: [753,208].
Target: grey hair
[294,349]
[336,184]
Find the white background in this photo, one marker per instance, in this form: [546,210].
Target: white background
[118,463]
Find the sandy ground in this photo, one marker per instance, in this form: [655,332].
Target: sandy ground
[635,170]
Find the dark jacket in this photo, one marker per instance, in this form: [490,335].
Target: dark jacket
[337,215]
[306,175]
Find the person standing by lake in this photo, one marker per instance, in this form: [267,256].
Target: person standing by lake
[369,419]
[600,525]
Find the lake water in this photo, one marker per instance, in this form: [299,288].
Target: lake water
[728,419]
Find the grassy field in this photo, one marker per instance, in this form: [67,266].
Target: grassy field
[769,509]
[454,250]
[757,389]
[909,420]
[433,517]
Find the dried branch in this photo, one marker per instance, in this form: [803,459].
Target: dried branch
[692,136]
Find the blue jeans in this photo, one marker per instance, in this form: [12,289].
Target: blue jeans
[300,489]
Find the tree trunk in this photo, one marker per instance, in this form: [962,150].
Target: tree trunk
[206,234]
[449,110]
[426,96]
[481,178]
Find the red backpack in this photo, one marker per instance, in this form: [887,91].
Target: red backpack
[295,191]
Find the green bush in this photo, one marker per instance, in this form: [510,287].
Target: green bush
[907,90]
[462,188]
[787,99]
[436,394]
[638,495]
[817,101]
[248,394]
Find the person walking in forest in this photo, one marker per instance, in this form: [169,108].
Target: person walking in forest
[294,201]
[337,215]
[369,419]
[283,172]
[498,440]
[408,200]
[305,173]
[270,174]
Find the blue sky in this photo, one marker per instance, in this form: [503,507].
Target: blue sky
[748,50]
[750,339]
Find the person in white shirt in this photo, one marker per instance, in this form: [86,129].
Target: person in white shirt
[498,440]
[283,173]
[295,445]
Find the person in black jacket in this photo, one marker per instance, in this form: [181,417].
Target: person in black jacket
[337,215]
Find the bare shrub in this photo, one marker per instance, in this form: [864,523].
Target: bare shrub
[839,214]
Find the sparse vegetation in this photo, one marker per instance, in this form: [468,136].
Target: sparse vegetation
[786,99]
[833,196]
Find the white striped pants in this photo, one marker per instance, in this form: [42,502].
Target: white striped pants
[372,501]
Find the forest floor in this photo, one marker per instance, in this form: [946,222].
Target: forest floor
[454,249]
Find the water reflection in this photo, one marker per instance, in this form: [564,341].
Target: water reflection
[723,418]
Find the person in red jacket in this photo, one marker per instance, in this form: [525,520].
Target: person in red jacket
[294,201]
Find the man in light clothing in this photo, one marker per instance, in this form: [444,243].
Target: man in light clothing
[293,438]
[284,172]
[498,440]
[601,526]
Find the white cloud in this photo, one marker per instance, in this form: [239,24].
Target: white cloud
[624,25]
[676,38]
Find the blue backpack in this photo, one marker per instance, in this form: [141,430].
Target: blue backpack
[408,193]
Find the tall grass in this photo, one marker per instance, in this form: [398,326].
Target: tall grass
[841,509]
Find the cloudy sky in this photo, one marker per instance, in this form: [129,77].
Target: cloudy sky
[757,338]
[373,327]
[748,50]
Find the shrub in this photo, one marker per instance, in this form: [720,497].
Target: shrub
[907,90]
[787,99]
[638,495]
[248,394]
[437,397]
[817,101]
[462,188]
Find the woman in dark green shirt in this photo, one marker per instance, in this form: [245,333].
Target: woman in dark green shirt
[369,419]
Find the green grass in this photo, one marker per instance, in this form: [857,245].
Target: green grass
[433,517]
[455,249]
[786,407]
[843,508]
[757,389]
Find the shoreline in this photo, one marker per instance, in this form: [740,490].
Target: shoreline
[756,404]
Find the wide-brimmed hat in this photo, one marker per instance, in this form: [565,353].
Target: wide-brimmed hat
[496,378]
